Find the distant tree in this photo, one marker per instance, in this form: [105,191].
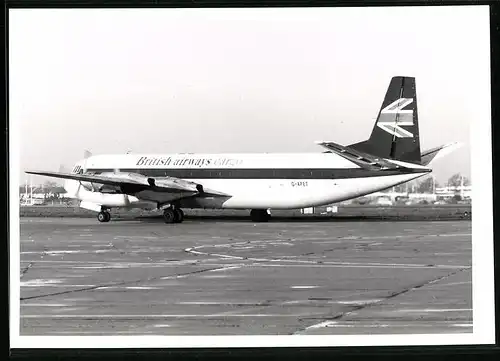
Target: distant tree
[425,186]
[58,190]
[50,184]
[455,180]
[400,188]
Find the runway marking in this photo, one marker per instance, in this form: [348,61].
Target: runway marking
[220,303]
[51,253]
[435,310]
[120,265]
[226,268]
[359,302]
[304,287]
[56,285]
[94,287]
[43,305]
[230,262]
[362,307]
[320,325]
[351,324]
[105,264]
[455,283]
[193,250]
[200,271]
[225,256]
[40,282]
[353,265]
[149,316]
[329,239]
[334,324]
[97,333]
[143,288]
[129,288]
[140,237]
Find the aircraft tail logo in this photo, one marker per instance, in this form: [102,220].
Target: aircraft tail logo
[393,116]
[395,134]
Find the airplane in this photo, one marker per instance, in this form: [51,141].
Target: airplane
[260,182]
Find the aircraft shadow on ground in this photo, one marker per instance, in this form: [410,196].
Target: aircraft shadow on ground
[299,219]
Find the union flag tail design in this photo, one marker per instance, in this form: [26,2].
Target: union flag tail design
[395,134]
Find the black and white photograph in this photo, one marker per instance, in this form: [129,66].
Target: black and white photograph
[250,177]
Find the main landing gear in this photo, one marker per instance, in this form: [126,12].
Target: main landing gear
[260,215]
[103,216]
[173,215]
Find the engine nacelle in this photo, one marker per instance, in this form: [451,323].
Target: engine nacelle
[175,183]
[109,200]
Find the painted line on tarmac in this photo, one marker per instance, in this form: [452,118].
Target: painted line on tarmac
[328,324]
[140,237]
[218,303]
[149,316]
[142,288]
[45,305]
[54,285]
[434,310]
[455,283]
[360,302]
[336,324]
[325,263]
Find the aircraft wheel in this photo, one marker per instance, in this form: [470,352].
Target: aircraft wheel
[179,215]
[103,217]
[259,215]
[169,215]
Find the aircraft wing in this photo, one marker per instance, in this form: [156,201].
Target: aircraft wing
[364,160]
[133,183]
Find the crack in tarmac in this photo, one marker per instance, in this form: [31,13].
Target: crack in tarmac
[375,303]
[31,264]
[23,272]
[177,275]
[246,262]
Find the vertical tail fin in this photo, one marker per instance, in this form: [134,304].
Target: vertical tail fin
[395,134]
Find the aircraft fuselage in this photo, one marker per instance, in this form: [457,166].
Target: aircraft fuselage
[251,181]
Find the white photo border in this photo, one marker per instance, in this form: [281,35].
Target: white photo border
[482,265]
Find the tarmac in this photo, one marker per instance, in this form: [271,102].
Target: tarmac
[220,277]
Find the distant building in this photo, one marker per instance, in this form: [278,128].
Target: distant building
[450,191]
[38,195]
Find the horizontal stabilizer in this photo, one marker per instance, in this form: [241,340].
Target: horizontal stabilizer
[430,155]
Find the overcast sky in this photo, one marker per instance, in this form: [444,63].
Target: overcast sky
[238,80]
